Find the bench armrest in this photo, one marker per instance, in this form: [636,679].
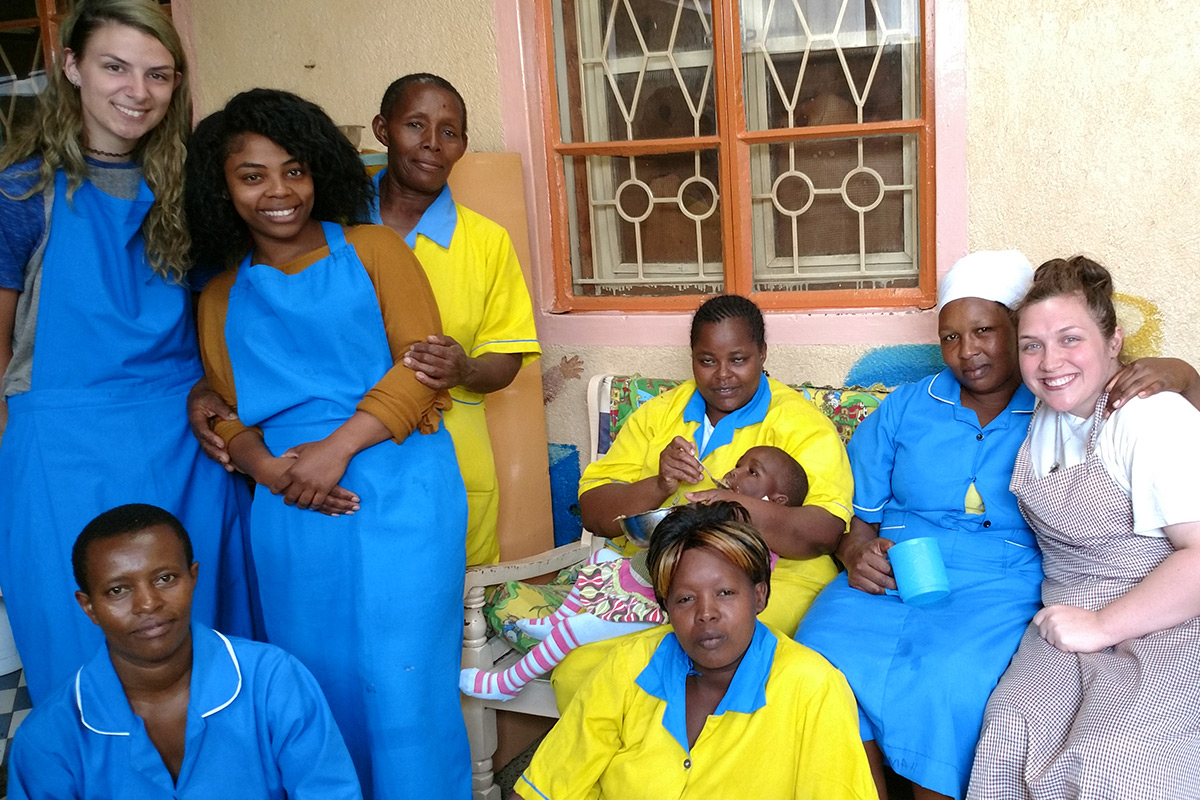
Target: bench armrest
[479,578]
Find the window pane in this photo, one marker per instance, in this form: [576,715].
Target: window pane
[645,225]
[63,6]
[21,75]
[17,9]
[634,69]
[835,214]
[830,62]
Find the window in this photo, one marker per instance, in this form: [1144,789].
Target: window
[780,148]
[28,39]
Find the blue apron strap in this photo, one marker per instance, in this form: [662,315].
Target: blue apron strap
[334,237]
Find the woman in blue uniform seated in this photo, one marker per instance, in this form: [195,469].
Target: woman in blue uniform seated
[97,341]
[303,337]
[728,407]
[168,707]
[935,460]
[720,707]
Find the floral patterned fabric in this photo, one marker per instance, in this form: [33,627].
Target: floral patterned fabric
[508,602]
[845,406]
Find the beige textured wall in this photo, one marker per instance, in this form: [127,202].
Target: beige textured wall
[1082,137]
[343,54]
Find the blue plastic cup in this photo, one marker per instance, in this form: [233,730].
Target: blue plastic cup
[919,570]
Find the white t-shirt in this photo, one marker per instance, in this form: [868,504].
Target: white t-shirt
[1151,448]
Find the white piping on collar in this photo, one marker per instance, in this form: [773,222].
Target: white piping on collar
[236,666]
[934,396]
[951,402]
[79,705]
[232,657]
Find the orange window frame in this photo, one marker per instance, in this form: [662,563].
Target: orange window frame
[48,19]
[733,142]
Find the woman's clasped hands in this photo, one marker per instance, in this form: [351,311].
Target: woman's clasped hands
[307,476]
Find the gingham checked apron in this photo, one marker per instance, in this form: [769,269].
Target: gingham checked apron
[1121,723]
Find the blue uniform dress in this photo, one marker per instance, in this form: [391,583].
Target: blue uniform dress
[305,349]
[105,423]
[257,729]
[922,674]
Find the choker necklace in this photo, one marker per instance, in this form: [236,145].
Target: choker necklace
[96,152]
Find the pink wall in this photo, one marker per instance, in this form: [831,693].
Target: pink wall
[522,115]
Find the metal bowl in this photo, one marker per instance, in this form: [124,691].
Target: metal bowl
[639,527]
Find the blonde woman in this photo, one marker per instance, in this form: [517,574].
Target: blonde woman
[97,342]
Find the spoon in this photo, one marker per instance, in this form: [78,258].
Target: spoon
[720,483]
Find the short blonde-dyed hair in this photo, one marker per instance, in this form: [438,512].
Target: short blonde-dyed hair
[723,527]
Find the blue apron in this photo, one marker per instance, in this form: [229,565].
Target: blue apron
[305,349]
[105,423]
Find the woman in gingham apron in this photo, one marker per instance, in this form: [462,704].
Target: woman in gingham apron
[1101,699]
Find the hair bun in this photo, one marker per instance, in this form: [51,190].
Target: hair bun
[1078,275]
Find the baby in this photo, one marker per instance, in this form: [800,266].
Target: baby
[613,596]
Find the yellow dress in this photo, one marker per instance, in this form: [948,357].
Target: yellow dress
[485,307]
[779,417]
[786,728]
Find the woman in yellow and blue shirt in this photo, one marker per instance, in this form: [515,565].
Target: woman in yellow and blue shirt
[721,706]
[728,407]
[486,313]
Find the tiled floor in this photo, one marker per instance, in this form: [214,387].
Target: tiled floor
[14,707]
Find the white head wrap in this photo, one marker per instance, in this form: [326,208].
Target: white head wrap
[1000,275]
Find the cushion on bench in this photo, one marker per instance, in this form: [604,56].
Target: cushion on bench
[846,406]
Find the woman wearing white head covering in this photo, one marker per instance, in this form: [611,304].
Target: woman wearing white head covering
[935,460]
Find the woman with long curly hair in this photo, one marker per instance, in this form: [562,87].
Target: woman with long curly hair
[304,336]
[97,341]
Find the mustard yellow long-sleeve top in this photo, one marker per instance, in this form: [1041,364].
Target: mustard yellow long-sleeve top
[410,313]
